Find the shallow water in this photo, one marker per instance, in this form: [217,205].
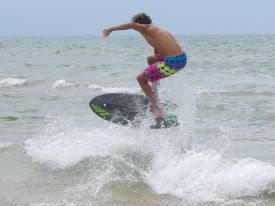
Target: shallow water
[55,151]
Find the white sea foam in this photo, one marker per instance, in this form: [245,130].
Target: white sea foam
[13,81]
[202,176]
[114,89]
[196,176]
[64,144]
[62,83]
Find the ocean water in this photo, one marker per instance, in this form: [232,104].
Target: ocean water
[55,151]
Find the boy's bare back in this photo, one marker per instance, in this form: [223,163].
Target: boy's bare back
[161,40]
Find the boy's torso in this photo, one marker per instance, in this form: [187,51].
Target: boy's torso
[162,41]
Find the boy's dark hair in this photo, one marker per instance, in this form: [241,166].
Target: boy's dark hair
[141,18]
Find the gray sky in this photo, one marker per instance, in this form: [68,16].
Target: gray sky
[89,17]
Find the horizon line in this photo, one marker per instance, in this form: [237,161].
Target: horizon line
[118,35]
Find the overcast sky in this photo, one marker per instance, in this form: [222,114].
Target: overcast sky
[89,17]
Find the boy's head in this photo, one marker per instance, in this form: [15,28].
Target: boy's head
[141,18]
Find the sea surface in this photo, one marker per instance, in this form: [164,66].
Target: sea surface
[55,151]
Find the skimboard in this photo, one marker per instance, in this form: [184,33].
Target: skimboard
[130,109]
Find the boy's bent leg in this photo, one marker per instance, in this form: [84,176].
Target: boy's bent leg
[154,85]
[143,82]
[154,59]
[151,60]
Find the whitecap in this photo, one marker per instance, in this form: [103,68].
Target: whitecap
[62,84]
[114,89]
[13,81]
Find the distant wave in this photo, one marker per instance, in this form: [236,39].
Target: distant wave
[4,145]
[8,75]
[62,84]
[14,82]
[114,89]
[200,91]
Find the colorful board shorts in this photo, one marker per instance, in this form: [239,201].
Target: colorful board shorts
[165,67]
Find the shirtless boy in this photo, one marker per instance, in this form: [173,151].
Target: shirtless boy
[168,59]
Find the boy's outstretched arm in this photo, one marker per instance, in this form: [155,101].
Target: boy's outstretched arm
[135,26]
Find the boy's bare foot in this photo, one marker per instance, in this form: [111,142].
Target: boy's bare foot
[158,113]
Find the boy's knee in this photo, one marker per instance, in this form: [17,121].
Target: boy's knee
[151,60]
[141,78]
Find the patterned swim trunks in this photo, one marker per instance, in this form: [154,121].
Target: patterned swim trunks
[165,68]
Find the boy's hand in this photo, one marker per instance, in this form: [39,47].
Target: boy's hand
[106,32]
